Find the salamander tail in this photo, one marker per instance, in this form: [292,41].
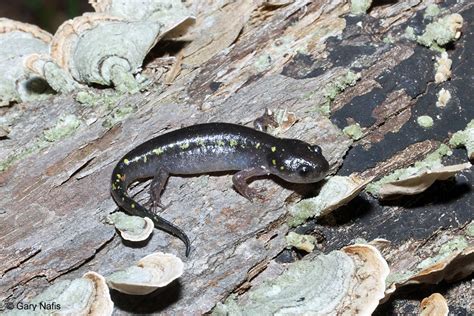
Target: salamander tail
[128,204]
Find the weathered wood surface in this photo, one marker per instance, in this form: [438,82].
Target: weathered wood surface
[53,203]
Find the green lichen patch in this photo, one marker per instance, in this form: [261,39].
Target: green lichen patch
[431,162]
[470,229]
[332,89]
[359,7]
[118,114]
[425,121]
[410,33]
[465,138]
[302,242]
[458,243]
[441,32]
[301,212]
[354,131]
[22,154]
[432,10]
[65,126]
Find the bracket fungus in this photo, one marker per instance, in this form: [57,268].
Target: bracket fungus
[150,273]
[88,295]
[18,40]
[104,49]
[350,281]
[132,228]
[172,15]
[420,181]
[434,305]
[336,192]
[45,67]
[452,259]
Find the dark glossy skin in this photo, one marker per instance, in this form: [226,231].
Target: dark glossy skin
[208,148]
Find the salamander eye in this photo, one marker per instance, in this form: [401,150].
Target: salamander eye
[316,149]
[304,170]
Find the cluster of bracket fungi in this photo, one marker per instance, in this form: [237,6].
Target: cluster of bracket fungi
[106,47]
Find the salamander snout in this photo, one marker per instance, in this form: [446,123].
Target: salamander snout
[299,162]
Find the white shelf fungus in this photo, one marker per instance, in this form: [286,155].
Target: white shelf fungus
[102,49]
[86,296]
[150,273]
[348,282]
[18,40]
[132,228]
[434,305]
[452,263]
[45,67]
[420,181]
[336,192]
[172,15]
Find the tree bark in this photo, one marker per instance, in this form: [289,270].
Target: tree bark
[55,197]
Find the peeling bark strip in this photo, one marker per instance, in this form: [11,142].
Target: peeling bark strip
[55,194]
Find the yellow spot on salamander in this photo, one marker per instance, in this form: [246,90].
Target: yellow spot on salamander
[274,162]
[184,146]
[201,142]
[233,143]
[282,168]
[120,177]
[273,149]
[132,205]
[158,151]
[114,187]
[144,158]
[126,161]
[257,146]
[220,143]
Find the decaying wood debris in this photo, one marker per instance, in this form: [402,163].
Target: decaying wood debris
[369,83]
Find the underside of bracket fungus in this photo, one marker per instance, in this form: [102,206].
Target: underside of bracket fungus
[132,228]
[448,266]
[421,181]
[150,273]
[336,192]
[171,14]
[88,295]
[350,281]
[18,40]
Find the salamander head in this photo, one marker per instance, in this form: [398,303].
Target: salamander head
[298,162]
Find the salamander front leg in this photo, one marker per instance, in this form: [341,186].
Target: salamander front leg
[156,187]
[240,182]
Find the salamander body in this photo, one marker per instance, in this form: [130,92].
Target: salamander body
[213,147]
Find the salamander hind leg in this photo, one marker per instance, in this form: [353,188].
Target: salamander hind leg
[240,182]
[156,187]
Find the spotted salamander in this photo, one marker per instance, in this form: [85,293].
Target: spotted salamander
[213,147]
